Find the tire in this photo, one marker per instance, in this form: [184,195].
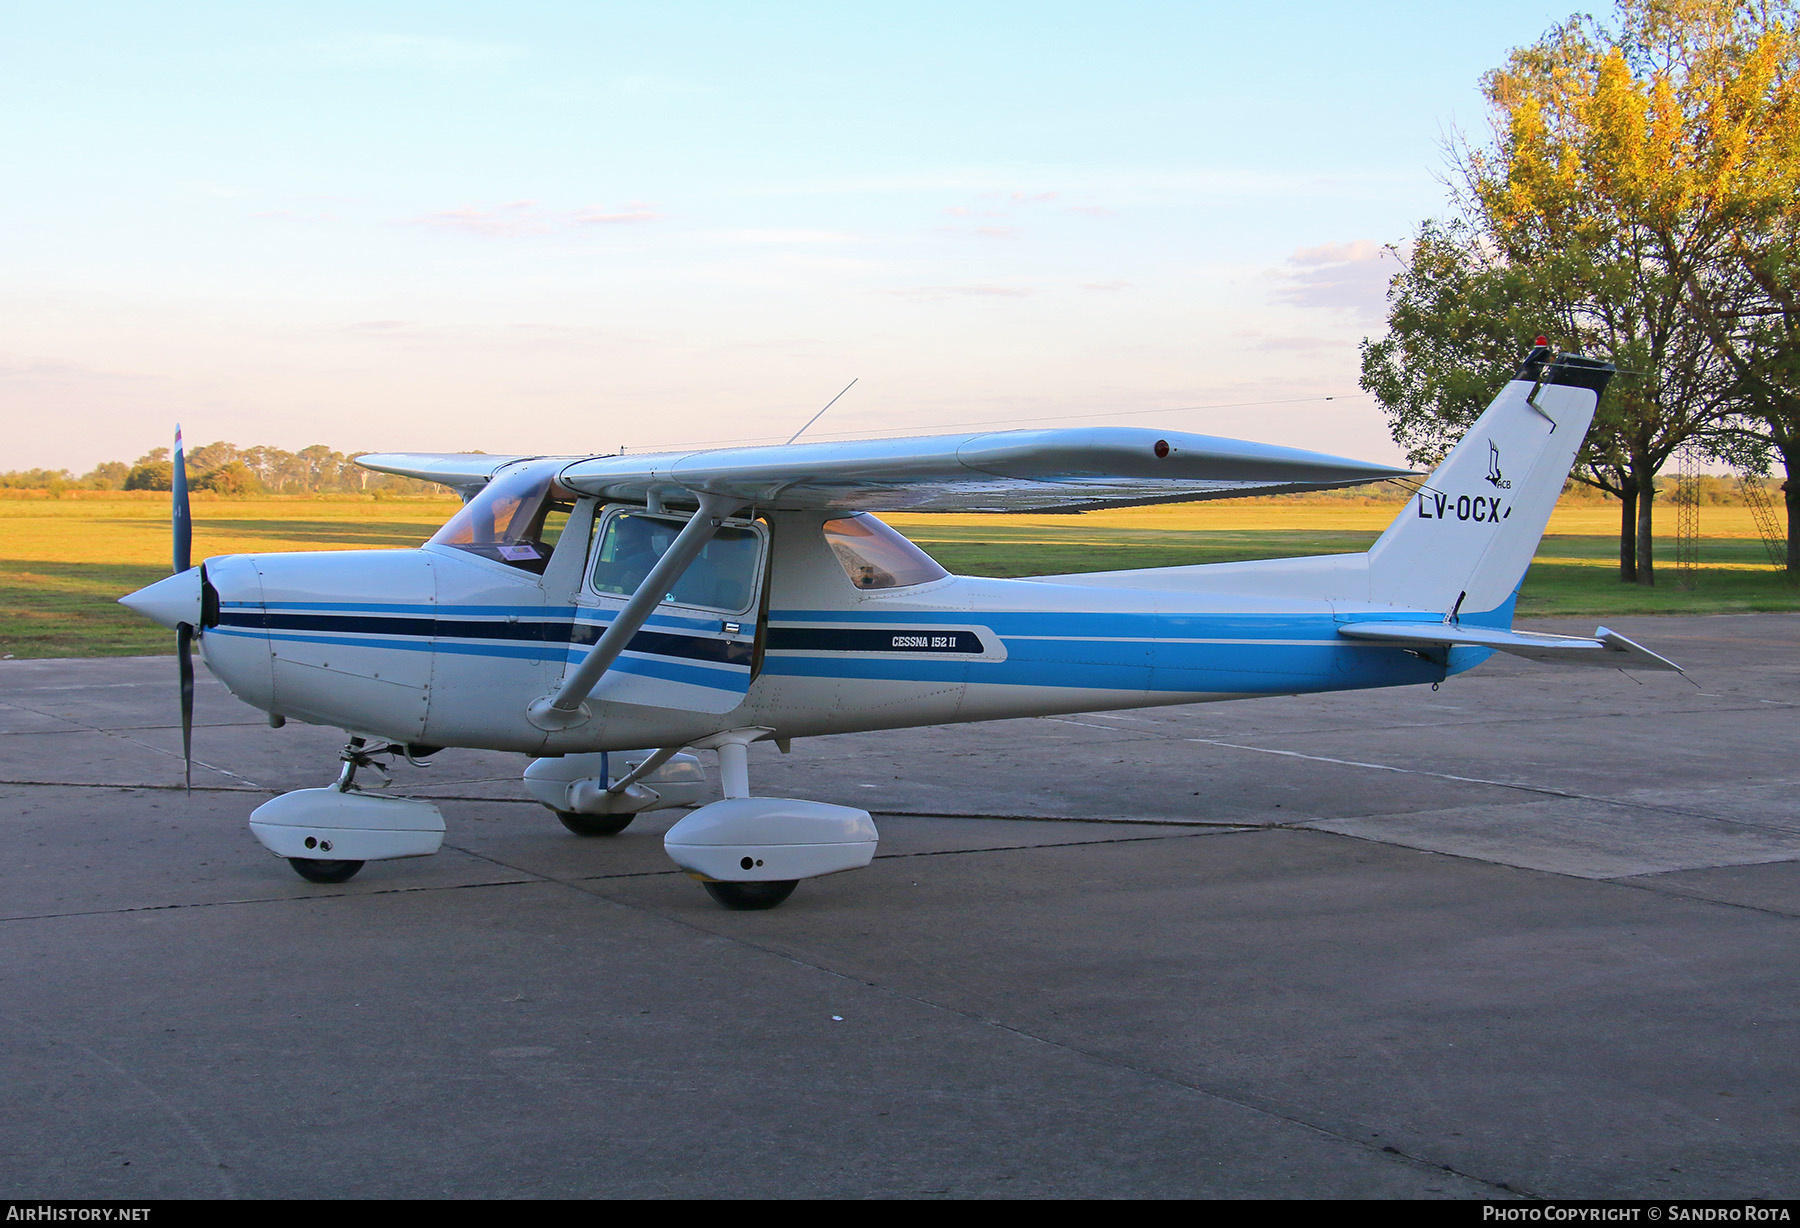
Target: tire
[595,824]
[316,871]
[750,897]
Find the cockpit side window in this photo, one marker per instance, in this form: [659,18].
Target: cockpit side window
[516,519]
[723,577]
[874,556]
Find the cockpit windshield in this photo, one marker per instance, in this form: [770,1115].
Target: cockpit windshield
[516,519]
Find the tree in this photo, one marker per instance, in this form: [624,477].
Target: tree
[1747,295]
[233,478]
[1454,338]
[151,475]
[1756,326]
[1460,317]
[1621,164]
[107,475]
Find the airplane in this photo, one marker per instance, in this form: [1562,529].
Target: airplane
[610,615]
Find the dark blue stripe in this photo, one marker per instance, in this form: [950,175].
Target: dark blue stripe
[442,630]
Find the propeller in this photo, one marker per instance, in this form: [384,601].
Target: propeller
[183,533]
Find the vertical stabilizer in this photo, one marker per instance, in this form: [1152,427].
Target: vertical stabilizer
[1467,536]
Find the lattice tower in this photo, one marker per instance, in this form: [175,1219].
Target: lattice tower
[1687,515]
[1768,524]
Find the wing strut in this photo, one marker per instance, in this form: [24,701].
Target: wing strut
[565,709]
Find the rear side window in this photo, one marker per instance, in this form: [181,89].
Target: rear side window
[723,577]
[874,556]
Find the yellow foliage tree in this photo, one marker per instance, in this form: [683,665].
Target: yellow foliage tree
[1631,171]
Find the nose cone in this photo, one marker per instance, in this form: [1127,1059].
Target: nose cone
[169,601]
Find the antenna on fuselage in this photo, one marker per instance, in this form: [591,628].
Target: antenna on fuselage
[821,413]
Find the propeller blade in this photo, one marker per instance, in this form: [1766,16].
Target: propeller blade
[178,498]
[184,656]
[183,535]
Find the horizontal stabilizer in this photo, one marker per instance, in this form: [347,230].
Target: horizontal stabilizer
[1604,648]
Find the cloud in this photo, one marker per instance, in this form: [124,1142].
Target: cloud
[294,215]
[1350,277]
[1091,210]
[513,218]
[1105,285]
[997,232]
[417,50]
[1300,345]
[51,371]
[634,212]
[526,217]
[782,237]
[968,291]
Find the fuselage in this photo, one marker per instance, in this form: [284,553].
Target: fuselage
[439,646]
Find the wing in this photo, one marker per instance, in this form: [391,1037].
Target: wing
[1004,471]
[466,471]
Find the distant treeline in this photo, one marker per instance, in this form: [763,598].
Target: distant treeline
[229,470]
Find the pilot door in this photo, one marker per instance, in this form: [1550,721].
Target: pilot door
[696,651]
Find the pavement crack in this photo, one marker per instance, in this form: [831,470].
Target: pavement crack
[1546,790]
[421,889]
[110,733]
[1653,889]
[1061,844]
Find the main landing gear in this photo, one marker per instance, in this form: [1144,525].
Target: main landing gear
[751,852]
[595,824]
[600,794]
[748,852]
[750,897]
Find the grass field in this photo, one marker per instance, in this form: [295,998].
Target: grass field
[64,562]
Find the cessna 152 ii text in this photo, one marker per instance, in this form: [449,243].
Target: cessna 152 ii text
[609,615]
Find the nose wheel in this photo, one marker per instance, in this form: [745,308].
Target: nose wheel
[315,871]
[314,820]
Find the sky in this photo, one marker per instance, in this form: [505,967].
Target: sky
[570,228]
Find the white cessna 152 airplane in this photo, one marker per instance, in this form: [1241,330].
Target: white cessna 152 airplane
[608,614]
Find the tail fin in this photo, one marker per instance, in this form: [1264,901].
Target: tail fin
[1465,540]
